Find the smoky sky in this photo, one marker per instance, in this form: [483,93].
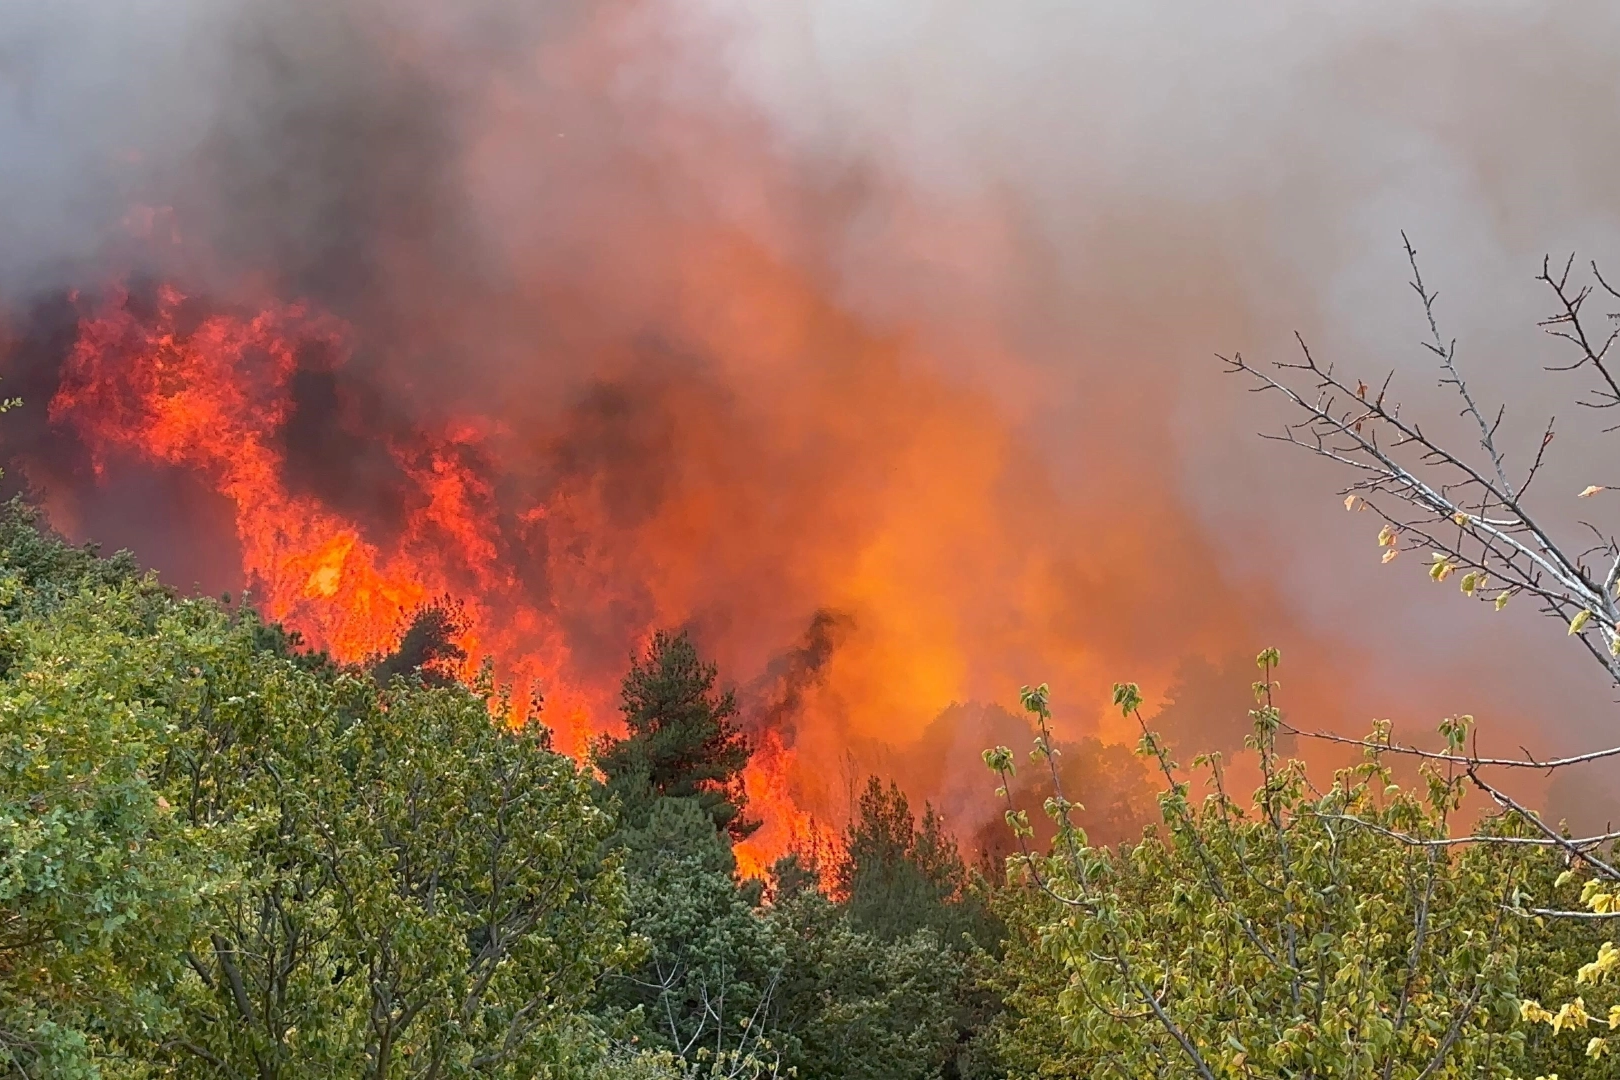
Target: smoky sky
[1160,182]
[1070,208]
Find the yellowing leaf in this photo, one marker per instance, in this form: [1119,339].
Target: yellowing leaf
[1573,1014]
[1532,1012]
[1590,491]
[1349,502]
[1580,621]
[1502,598]
[1390,554]
[1386,536]
[1607,958]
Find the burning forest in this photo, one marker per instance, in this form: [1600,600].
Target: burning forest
[319,384]
[616,474]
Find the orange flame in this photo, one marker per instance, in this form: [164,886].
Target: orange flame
[848,479]
[211,399]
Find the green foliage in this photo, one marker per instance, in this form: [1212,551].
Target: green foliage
[850,1004]
[44,569]
[681,740]
[100,879]
[906,886]
[792,986]
[703,994]
[219,859]
[1206,711]
[424,895]
[713,962]
[1292,934]
[802,984]
[1119,795]
[897,877]
[1572,1035]
[222,856]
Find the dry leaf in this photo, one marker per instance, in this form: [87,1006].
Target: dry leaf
[1589,492]
[1349,502]
[1390,554]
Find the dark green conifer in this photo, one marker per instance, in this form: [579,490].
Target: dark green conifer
[681,740]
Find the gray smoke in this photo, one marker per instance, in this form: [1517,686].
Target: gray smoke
[1164,180]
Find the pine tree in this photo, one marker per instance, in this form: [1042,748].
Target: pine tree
[897,878]
[681,740]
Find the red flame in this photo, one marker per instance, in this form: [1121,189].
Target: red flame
[211,398]
[814,465]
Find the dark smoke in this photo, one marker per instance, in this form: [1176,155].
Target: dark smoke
[335,440]
[776,700]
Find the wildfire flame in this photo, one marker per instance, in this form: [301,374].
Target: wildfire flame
[211,398]
[813,471]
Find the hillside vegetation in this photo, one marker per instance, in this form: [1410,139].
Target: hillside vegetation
[223,855]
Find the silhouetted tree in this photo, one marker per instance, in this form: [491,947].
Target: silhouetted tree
[428,647]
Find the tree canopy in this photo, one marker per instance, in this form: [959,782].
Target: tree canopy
[681,738]
[218,860]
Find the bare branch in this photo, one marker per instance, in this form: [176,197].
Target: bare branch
[1447,352]
[1472,518]
[1463,841]
[1507,802]
[1465,760]
[1567,325]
